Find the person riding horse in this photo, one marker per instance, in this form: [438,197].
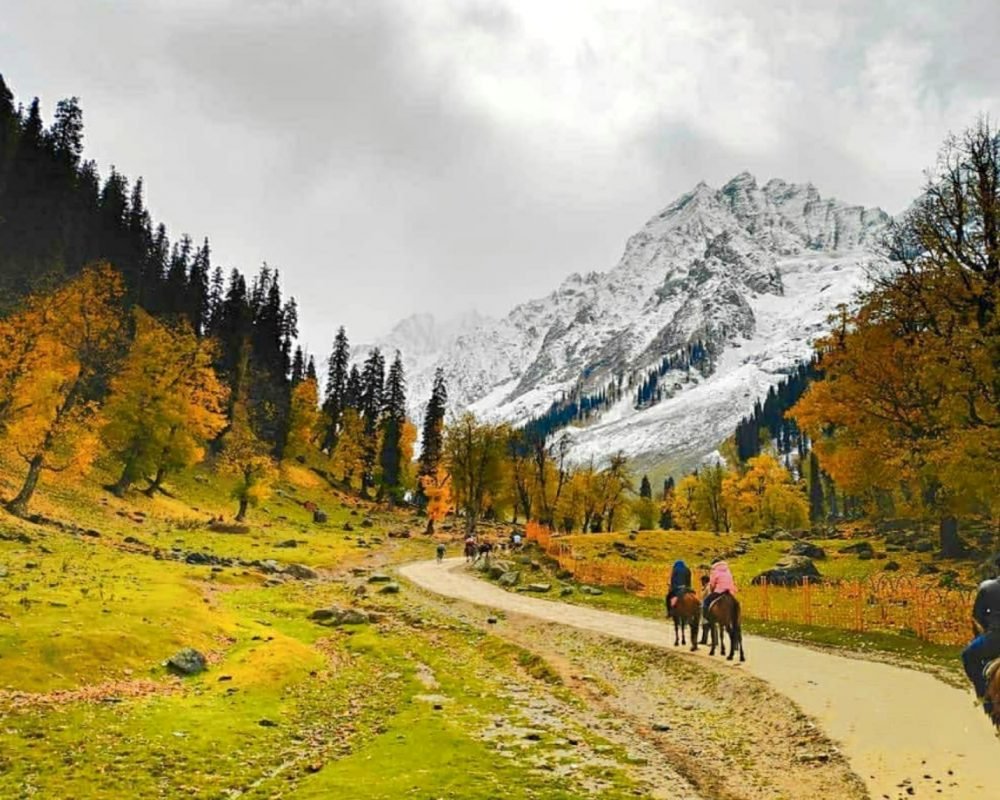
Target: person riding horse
[680,583]
[720,581]
[985,647]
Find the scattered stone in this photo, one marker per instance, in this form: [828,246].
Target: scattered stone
[302,572]
[510,579]
[807,549]
[267,723]
[335,616]
[319,516]
[348,526]
[593,591]
[287,543]
[538,587]
[491,620]
[566,591]
[360,590]
[389,588]
[891,566]
[186,662]
[379,577]
[858,548]
[367,523]
[400,534]
[927,568]
[790,571]
[662,727]
[269,566]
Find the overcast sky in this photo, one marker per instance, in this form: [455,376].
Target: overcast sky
[392,157]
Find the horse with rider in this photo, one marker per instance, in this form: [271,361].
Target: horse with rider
[718,611]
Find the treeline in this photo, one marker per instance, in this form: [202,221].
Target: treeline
[651,390]
[767,422]
[117,344]
[577,408]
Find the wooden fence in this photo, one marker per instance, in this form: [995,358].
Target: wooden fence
[894,604]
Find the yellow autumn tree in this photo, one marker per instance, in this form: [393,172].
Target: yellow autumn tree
[407,444]
[348,454]
[304,420]
[243,454]
[165,403]
[437,490]
[764,496]
[685,513]
[67,342]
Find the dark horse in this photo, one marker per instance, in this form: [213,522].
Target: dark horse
[685,612]
[723,617]
[470,550]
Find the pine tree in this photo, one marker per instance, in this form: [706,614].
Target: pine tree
[433,431]
[334,399]
[645,488]
[393,421]
[198,293]
[298,367]
[372,391]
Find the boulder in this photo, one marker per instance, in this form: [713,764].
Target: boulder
[858,548]
[366,523]
[287,543]
[348,526]
[389,588]
[379,577]
[891,566]
[807,549]
[511,578]
[790,571]
[270,566]
[302,572]
[335,616]
[186,662]
[538,587]
[319,516]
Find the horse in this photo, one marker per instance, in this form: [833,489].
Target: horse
[685,611]
[723,616]
[485,549]
[470,550]
[993,691]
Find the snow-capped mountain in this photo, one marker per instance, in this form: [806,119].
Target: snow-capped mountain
[752,272]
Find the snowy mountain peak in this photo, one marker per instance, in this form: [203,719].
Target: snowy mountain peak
[748,272]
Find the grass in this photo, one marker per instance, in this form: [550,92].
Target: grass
[286,707]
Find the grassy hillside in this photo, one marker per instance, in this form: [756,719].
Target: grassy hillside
[97,593]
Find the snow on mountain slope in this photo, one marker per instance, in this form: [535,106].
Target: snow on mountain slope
[753,272]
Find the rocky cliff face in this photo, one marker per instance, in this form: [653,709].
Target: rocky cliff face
[751,271]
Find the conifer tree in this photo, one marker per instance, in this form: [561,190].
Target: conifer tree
[816,508]
[372,391]
[645,488]
[334,399]
[393,422]
[433,431]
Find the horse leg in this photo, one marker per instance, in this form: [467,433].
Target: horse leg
[714,634]
[694,634]
[722,639]
[676,635]
[732,641]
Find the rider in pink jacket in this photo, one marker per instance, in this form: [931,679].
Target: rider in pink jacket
[720,579]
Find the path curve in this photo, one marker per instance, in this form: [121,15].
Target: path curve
[893,724]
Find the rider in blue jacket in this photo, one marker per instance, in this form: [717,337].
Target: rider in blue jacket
[985,647]
[680,582]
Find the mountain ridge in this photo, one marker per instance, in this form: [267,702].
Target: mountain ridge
[750,271]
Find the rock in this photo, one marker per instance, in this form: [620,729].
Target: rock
[858,548]
[366,523]
[186,662]
[491,620]
[566,591]
[379,577]
[335,616]
[591,590]
[790,571]
[807,549]
[783,536]
[267,723]
[287,543]
[319,516]
[302,572]
[511,578]
[928,568]
[495,571]
[198,558]
[923,546]
[538,587]
[400,534]
[564,574]
[360,590]
[389,588]
[891,566]
[660,726]
[348,526]
[3,571]
[270,566]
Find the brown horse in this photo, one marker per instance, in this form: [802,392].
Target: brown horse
[993,690]
[724,617]
[685,612]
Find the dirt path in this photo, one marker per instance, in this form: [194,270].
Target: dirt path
[904,732]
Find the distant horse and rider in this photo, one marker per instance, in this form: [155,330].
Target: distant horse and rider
[718,611]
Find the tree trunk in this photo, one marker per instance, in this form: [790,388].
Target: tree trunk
[951,544]
[157,481]
[242,513]
[123,483]
[430,527]
[19,505]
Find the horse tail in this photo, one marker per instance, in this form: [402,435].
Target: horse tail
[993,690]
[737,620]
